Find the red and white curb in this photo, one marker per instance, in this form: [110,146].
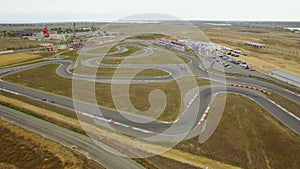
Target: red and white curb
[251,87]
[187,106]
[192,100]
[204,116]
[110,121]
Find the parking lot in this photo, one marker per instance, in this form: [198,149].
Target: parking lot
[233,65]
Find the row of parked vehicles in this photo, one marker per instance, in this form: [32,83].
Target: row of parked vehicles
[234,61]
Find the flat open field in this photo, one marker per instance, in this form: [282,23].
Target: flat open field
[35,151]
[9,59]
[158,57]
[286,45]
[72,55]
[129,45]
[124,72]
[249,137]
[17,43]
[138,93]
[131,51]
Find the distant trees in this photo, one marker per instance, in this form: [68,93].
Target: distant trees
[10,33]
[61,30]
[57,29]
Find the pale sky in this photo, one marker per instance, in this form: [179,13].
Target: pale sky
[97,10]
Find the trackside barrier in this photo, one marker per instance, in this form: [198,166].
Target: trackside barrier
[251,87]
[110,121]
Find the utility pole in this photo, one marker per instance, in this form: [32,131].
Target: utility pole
[74,32]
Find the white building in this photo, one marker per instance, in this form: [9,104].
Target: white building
[286,77]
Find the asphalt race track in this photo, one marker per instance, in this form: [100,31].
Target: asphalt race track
[175,71]
[189,118]
[67,138]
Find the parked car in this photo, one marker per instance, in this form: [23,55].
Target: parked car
[227,65]
[229,60]
[243,64]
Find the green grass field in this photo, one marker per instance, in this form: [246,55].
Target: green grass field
[158,57]
[131,50]
[148,36]
[139,93]
[72,55]
[122,72]
[113,49]
[249,137]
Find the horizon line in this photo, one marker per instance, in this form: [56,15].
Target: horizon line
[120,21]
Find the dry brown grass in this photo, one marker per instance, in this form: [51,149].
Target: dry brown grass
[25,149]
[288,104]
[266,61]
[9,59]
[249,137]
[261,59]
[16,43]
[129,72]
[188,160]
[7,166]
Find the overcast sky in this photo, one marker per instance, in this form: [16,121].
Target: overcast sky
[98,10]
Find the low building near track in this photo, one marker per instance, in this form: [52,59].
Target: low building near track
[286,77]
[256,45]
[48,46]
[175,44]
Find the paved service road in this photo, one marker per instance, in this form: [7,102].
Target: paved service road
[69,138]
